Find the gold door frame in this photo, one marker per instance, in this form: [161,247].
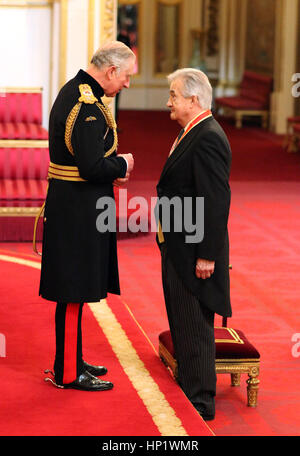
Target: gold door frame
[180,4]
[140,4]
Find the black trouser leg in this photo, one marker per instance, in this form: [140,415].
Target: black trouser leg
[192,331]
[68,363]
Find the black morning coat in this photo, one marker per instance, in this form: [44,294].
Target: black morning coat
[79,264]
[200,166]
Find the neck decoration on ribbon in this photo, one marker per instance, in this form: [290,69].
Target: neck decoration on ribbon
[199,118]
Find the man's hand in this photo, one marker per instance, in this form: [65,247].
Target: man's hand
[121,180]
[130,161]
[204,268]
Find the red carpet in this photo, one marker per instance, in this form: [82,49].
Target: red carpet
[264,238]
[29,406]
[257,154]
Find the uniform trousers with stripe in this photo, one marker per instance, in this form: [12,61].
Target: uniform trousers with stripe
[192,331]
[68,364]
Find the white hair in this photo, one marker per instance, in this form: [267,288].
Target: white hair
[113,53]
[195,83]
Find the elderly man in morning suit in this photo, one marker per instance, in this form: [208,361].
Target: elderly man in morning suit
[195,273]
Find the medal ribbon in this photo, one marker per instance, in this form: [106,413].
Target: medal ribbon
[204,115]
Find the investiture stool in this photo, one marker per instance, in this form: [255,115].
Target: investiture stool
[79,263]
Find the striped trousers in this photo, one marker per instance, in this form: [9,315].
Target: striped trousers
[68,363]
[192,330]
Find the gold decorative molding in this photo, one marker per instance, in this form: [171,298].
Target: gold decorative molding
[26,4]
[155,58]
[108,27]
[140,4]
[63,42]
[21,89]
[24,143]
[91,29]
[212,39]
[19,211]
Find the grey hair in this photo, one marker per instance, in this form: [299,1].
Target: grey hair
[114,53]
[196,83]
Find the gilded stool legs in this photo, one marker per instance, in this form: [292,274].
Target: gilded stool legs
[235,379]
[253,385]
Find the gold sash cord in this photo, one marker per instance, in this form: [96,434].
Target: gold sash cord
[61,172]
[160,234]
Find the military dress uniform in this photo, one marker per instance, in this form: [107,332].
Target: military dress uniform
[79,263]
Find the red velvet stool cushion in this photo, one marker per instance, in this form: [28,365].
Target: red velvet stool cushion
[231,344]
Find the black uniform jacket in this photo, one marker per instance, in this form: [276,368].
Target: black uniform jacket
[79,264]
[199,167]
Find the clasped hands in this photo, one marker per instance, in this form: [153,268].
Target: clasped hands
[130,164]
[204,268]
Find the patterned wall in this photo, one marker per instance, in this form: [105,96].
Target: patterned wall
[260,38]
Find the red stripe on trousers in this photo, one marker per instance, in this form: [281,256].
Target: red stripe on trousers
[70,350]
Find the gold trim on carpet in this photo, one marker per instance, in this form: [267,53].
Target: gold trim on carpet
[147,389]
[31,264]
[162,413]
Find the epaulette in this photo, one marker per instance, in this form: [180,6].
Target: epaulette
[86,94]
[87,97]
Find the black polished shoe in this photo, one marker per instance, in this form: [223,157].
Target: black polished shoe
[88,382]
[97,371]
[207,417]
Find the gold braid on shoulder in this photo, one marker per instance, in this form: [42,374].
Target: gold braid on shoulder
[70,122]
[111,123]
[87,96]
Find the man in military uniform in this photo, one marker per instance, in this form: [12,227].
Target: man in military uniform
[79,263]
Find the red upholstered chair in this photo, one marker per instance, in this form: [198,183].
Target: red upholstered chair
[24,162]
[253,99]
[23,188]
[235,355]
[21,115]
